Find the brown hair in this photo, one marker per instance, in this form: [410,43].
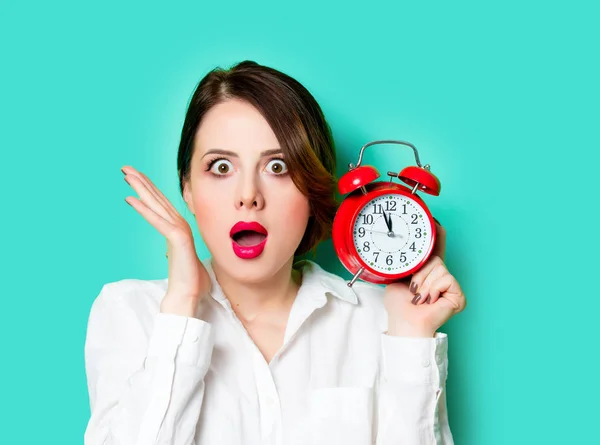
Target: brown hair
[298,123]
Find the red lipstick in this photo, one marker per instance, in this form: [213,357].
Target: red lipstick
[248,239]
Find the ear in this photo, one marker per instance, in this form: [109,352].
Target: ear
[187,197]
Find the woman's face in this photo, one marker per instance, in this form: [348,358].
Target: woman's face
[238,174]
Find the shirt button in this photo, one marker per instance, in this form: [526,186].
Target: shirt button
[425,362]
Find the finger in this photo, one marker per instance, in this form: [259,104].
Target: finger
[158,222]
[422,273]
[153,189]
[456,301]
[147,183]
[439,286]
[147,197]
[438,271]
[405,281]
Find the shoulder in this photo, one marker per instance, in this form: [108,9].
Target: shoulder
[122,316]
[373,292]
[366,293]
[364,296]
[134,296]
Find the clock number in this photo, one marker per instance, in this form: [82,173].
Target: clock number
[390,206]
[389,260]
[367,219]
[404,205]
[376,254]
[377,209]
[418,235]
[366,246]
[402,257]
[412,247]
[415,219]
[361,232]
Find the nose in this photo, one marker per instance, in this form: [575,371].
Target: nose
[249,194]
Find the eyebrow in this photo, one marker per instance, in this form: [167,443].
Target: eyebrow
[235,155]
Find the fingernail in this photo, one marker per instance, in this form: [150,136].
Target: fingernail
[125,178]
[413,287]
[416,298]
[427,300]
[123,171]
[128,202]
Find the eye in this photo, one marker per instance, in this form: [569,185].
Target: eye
[220,166]
[277,166]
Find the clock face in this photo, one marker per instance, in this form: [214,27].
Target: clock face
[399,247]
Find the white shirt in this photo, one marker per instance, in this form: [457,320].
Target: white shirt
[157,378]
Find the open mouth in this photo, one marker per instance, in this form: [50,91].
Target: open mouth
[247,234]
[246,238]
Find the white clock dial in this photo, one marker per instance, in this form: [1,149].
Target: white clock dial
[399,249]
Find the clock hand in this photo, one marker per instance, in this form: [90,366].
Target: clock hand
[388,223]
[385,218]
[385,233]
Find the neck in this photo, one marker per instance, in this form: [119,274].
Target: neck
[249,299]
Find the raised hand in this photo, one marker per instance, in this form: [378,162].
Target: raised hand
[419,305]
[421,308]
[188,279]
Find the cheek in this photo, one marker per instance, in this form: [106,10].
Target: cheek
[292,208]
[210,203]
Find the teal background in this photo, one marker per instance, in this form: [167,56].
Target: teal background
[500,98]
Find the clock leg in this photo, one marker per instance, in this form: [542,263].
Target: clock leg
[355,277]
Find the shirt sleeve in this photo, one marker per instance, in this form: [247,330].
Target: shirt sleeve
[146,384]
[412,391]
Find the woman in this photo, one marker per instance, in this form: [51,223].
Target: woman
[252,346]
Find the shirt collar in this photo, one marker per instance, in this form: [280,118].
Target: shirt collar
[316,282]
[323,282]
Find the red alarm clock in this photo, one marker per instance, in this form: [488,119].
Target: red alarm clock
[383,231]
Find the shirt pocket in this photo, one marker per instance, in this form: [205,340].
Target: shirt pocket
[341,415]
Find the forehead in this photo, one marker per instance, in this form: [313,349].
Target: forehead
[234,125]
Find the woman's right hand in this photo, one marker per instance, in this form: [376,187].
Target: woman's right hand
[188,280]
